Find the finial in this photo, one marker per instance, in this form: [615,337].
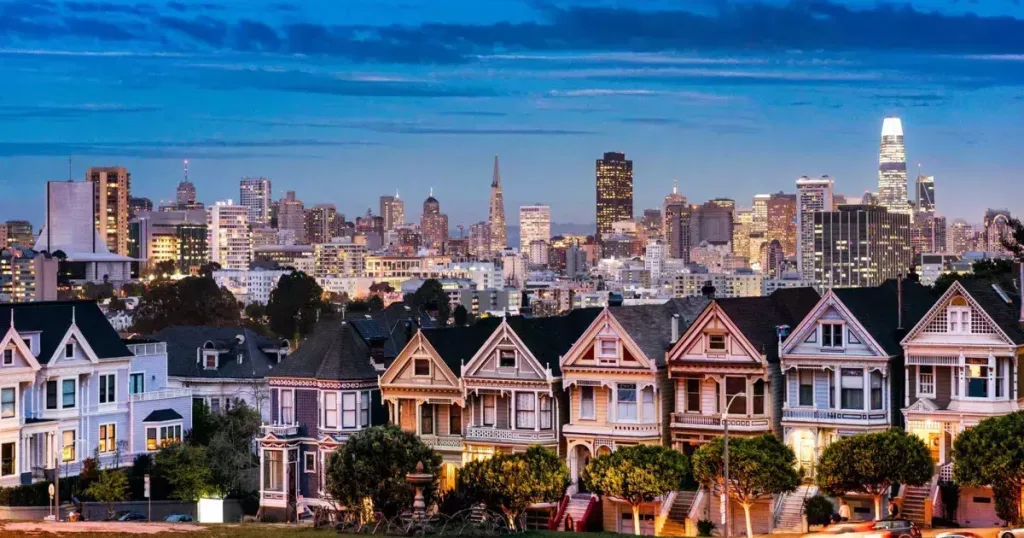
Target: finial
[396,194]
[72,314]
[186,170]
[431,191]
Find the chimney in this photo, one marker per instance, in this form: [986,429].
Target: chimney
[899,302]
[675,328]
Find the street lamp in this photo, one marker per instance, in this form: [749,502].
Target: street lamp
[725,458]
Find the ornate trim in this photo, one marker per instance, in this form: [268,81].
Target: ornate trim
[321,383]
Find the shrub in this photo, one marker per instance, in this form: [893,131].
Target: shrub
[949,492]
[454,501]
[38,494]
[819,510]
[705,527]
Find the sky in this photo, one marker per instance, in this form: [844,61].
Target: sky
[346,100]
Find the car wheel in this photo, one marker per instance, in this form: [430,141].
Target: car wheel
[1007,535]
[905,536]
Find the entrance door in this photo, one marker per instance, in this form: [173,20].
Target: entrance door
[805,453]
[580,460]
[934,442]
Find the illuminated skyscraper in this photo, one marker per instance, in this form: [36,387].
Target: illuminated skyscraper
[812,196]
[926,194]
[961,237]
[227,235]
[781,212]
[111,187]
[534,225]
[760,209]
[392,208]
[254,193]
[892,168]
[496,220]
[291,216]
[433,224]
[997,222]
[677,232]
[673,198]
[614,191]
[860,246]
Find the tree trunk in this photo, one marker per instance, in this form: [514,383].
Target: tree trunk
[746,514]
[878,506]
[636,519]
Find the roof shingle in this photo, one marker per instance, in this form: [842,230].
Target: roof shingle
[52,320]
[184,342]
[650,326]
[758,318]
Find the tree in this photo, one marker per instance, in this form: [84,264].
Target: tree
[991,453]
[164,269]
[207,269]
[186,469]
[432,298]
[759,467]
[110,487]
[637,474]
[375,303]
[461,316]
[381,287]
[189,301]
[373,464]
[230,447]
[872,463]
[133,289]
[116,304]
[295,305]
[512,482]
[90,472]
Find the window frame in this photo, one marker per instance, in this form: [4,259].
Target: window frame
[106,438]
[504,353]
[454,419]
[689,383]
[306,458]
[493,409]
[545,411]
[643,403]
[132,377]
[13,460]
[592,415]
[69,350]
[8,356]
[984,371]
[526,410]
[715,337]
[621,404]
[161,430]
[853,390]
[602,354]
[63,393]
[958,319]
[801,372]
[328,423]
[416,362]
[270,457]
[68,454]
[345,411]
[284,419]
[108,388]
[729,396]
[207,355]
[13,403]
[52,394]
[828,338]
[922,393]
[426,419]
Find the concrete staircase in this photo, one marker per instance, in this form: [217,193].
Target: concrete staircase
[675,524]
[790,516]
[913,503]
[577,507]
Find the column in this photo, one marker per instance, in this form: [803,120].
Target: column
[536,411]
[263,461]
[419,422]
[512,416]
[1012,378]
[750,397]
[867,389]
[906,385]
[838,373]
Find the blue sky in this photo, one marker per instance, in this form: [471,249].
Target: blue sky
[345,100]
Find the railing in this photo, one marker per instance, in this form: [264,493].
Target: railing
[442,441]
[946,472]
[695,507]
[832,414]
[739,423]
[160,395]
[494,434]
[780,501]
[280,429]
[636,428]
[151,348]
[666,509]
[583,523]
[554,522]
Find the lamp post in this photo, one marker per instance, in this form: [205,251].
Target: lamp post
[725,459]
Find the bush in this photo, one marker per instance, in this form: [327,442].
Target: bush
[705,527]
[819,510]
[454,501]
[949,492]
[38,494]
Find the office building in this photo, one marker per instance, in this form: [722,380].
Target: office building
[339,258]
[27,275]
[534,225]
[781,217]
[614,192]
[654,259]
[112,189]
[673,198]
[997,225]
[812,196]
[254,194]
[926,194]
[712,222]
[392,208]
[175,236]
[480,240]
[228,239]
[928,233]
[496,214]
[652,224]
[291,216]
[434,224]
[960,237]
[760,209]
[193,250]
[185,195]
[20,233]
[726,285]
[320,223]
[299,257]
[138,205]
[677,232]
[860,246]
[892,168]
[742,226]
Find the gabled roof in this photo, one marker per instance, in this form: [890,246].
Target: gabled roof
[389,324]
[650,326]
[1006,315]
[162,415]
[183,345]
[335,351]
[758,317]
[457,345]
[52,320]
[877,310]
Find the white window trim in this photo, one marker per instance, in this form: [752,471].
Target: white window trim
[306,458]
[16,402]
[430,367]
[75,445]
[110,448]
[60,393]
[593,407]
[280,406]
[109,402]
[216,359]
[342,409]
[132,373]
[821,334]
[950,311]
[636,403]
[799,374]
[920,393]
[725,343]
[515,357]
[73,344]
[17,457]
[605,357]
[159,438]
[337,409]
[12,349]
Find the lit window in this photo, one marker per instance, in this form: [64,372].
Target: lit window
[977,381]
[108,439]
[68,445]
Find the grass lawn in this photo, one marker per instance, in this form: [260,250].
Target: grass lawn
[272,531]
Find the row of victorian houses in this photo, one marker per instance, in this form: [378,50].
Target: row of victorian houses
[808,368]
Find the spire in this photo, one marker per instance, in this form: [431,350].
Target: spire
[186,170]
[396,194]
[431,192]
[496,178]
[675,186]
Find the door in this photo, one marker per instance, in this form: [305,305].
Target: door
[934,442]
[805,454]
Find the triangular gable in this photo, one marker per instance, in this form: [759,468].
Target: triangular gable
[692,345]
[13,336]
[584,351]
[936,316]
[923,405]
[80,340]
[417,347]
[830,307]
[502,337]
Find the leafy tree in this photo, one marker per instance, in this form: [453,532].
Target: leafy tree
[110,487]
[872,463]
[203,425]
[759,467]
[375,303]
[98,290]
[133,289]
[90,472]
[512,482]
[186,469]
[461,316]
[373,464]
[189,301]
[230,447]
[207,269]
[164,269]
[116,304]
[295,305]
[991,453]
[638,474]
[432,298]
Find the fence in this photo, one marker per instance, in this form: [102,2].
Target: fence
[161,509]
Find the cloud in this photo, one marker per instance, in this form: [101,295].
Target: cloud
[417,130]
[714,126]
[58,149]
[605,92]
[108,7]
[475,113]
[71,111]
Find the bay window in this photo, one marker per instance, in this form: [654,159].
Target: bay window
[759,397]
[926,380]
[876,390]
[736,393]
[526,412]
[364,409]
[348,410]
[8,409]
[545,413]
[162,436]
[625,407]
[977,379]
[647,396]
[852,388]
[330,409]
[273,470]
[587,402]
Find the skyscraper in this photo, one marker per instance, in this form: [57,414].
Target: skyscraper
[760,209]
[997,222]
[677,234]
[673,198]
[112,188]
[812,196]
[291,216]
[496,220]
[614,191]
[926,194]
[961,237]
[781,213]
[742,227]
[254,193]
[434,224]
[860,246]
[19,232]
[392,208]
[534,225]
[185,196]
[320,223]
[228,239]
[480,240]
[712,222]
[892,168]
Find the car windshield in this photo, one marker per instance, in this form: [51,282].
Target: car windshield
[892,524]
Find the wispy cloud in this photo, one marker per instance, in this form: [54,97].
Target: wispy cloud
[605,92]
[71,111]
[715,126]
[475,113]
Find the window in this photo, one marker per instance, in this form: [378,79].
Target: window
[348,410]
[545,413]
[427,419]
[330,409]
[647,398]
[68,393]
[7,405]
[958,316]
[7,459]
[526,410]
[831,390]
[107,390]
[421,367]
[309,462]
[734,386]
[108,439]
[876,390]
[151,440]
[692,395]
[210,360]
[806,387]
[364,409]
[215,406]
[68,445]
[759,397]
[625,407]
[609,349]
[832,335]
[926,380]
[587,402]
[977,380]
[489,409]
[8,357]
[852,396]
[273,470]
[507,358]
[1001,377]
[287,407]
[137,383]
[716,342]
[69,350]
[51,395]
[454,420]
[168,435]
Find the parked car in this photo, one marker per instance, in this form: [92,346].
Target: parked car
[964,534]
[884,528]
[1012,533]
[178,518]
[897,528]
[125,515]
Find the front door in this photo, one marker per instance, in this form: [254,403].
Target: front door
[582,458]
[934,442]
[805,453]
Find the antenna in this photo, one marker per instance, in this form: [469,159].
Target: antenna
[675,186]
[186,170]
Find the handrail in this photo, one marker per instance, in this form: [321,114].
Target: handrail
[581,525]
[666,505]
[696,505]
[777,509]
[562,506]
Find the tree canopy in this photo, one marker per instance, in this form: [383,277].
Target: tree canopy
[110,487]
[431,297]
[638,474]
[185,468]
[872,463]
[295,305]
[998,270]
[461,316]
[512,482]
[991,453]
[759,467]
[189,301]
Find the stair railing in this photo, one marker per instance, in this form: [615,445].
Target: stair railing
[583,524]
[554,522]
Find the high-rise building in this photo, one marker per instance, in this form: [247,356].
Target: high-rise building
[392,208]
[27,275]
[812,196]
[341,258]
[960,237]
[185,195]
[760,209]
[228,238]
[614,191]
[742,227]
[673,198]
[860,246]
[926,194]
[138,205]
[997,223]
[781,212]
[928,234]
[20,233]
[434,224]
[712,222]
[652,223]
[112,188]
[480,240]
[193,250]
[677,232]
[156,237]
[320,223]
[496,219]
[892,168]
[254,193]
[291,216]
[534,225]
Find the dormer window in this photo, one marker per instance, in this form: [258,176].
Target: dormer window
[69,350]
[507,358]
[958,316]
[832,335]
[608,349]
[210,360]
[716,342]
[8,357]
[421,367]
